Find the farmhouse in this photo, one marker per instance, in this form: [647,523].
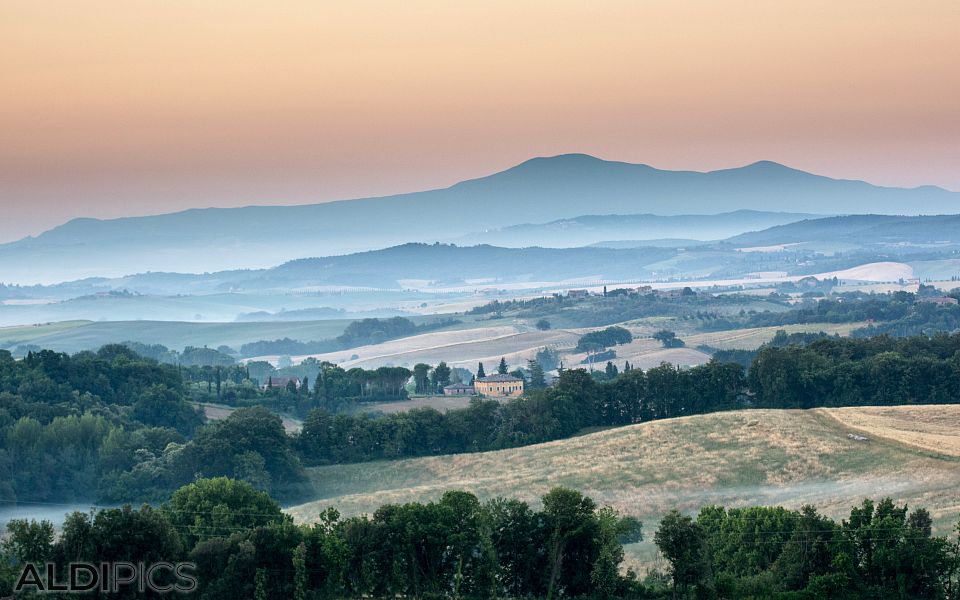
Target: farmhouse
[499,385]
[459,389]
[280,383]
[578,294]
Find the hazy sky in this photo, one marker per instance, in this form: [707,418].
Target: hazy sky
[138,106]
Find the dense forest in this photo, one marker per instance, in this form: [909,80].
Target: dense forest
[115,426]
[241,545]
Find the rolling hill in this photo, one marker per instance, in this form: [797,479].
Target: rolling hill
[436,265]
[785,457]
[75,336]
[656,230]
[859,229]
[539,190]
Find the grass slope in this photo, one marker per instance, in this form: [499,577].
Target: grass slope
[786,457]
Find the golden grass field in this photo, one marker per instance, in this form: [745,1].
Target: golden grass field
[751,457]
[931,428]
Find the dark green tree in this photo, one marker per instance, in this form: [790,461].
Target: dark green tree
[218,507]
[682,543]
[440,376]
[571,527]
[537,379]
[611,370]
[421,378]
[668,338]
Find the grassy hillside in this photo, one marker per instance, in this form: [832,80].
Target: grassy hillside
[26,334]
[756,457]
[744,457]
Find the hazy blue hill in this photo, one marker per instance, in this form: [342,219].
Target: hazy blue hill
[387,269]
[588,230]
[536,191]
[859,229]
[659,243]
[444,263]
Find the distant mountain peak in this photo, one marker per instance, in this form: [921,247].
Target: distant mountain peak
[768,164]
[571,157]
[568,162]
[766,168]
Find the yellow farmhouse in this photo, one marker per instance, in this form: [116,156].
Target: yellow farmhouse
[499,385]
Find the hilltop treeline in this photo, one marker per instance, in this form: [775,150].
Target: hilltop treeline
[616,306]
[457,547]
[899,313]
[926,318]
[847,308]
[848,372]
[578,401]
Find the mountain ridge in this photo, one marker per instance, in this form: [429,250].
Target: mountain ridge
[452,263]
[539,190]
[760,165]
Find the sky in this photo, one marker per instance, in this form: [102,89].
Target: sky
[141,107]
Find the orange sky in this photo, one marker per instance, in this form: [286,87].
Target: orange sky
[136,106]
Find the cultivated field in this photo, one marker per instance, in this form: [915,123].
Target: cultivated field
[517,342]
[880,271]
[462,348]
[750,457]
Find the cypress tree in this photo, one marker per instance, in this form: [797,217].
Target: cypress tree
[537,380]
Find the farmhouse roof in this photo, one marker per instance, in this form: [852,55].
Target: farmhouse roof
[497,377]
